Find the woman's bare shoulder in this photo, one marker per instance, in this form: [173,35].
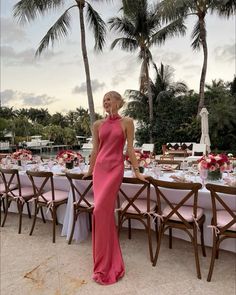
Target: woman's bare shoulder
[97,123]
[127,120]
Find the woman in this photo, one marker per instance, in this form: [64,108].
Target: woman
[107,167]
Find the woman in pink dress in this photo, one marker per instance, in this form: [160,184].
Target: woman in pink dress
[107,167]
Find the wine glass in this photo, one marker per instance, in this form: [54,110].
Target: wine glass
[50,164]
[81,165]
[194,169]
[203,175]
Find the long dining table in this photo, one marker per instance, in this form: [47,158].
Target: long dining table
[81,232]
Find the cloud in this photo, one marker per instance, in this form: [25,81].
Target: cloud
[192,68]
[25,57]
[96,85]
[20,99]
[225,53]
[11,32]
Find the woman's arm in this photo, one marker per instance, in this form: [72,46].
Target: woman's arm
[94,152]
[129,128]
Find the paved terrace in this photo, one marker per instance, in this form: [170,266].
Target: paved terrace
[33,265]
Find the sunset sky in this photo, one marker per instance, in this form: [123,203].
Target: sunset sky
[56,80]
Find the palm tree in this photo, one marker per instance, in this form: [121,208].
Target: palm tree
[182,9]
[28,10]
[141,28]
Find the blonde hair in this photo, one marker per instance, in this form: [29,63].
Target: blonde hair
[117,96]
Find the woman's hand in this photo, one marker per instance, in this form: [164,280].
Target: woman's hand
[140,176]
[87,174]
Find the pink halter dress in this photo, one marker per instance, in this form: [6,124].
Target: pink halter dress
[107,177]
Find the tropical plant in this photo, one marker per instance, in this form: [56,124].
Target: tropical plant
[182,9]
[141,28]
[28,10]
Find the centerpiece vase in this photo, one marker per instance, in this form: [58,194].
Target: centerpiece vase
[70,165]
[19,162]
[141,169]
[214,175]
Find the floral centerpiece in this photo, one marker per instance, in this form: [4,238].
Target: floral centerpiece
[215,164]
[142,158]
[68,157]
[21,154]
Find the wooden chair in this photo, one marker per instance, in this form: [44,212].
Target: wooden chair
[170,162]
[167,157]
[82,195]
[134,203]
[224,219]
[44,197]
[14,191]
[183,213]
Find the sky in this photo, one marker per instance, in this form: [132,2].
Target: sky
[56,80]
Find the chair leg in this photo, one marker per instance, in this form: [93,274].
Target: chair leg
[129,228]
[20,210]
[161,232]
[54,216]
[217,247]
[195,247]
[213,257]
[73,226]
[170,238]
[149,238]
[202,241]
[8,203]
[28,209]
[36,210]
[42,215]
[90,221]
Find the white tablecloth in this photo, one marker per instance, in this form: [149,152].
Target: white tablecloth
[65,213]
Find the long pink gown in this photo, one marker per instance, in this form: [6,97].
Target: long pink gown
[107,177]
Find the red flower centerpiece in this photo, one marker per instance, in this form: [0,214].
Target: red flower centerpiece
[21,154]
[68,157]
[142,158]
[215,164]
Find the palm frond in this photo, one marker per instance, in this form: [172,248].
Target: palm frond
[127,44]
[227,8]
[98,25]
[27,10]
[175,28]
[196,44]
[57,31]
[170,10]
[122,25]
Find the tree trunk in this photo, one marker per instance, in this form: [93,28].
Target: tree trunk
[150,100]
[204,67]
[86,64]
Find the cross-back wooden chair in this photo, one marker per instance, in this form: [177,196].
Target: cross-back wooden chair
[167,157]
[46,196]
[14,191]
[2,196]
[183,213]
[134,203]
[82,195]
[170,162]
[223,220]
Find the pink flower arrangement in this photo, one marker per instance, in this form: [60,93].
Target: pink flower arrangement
[22,154]
[67,156]
[214,162]
[142,158]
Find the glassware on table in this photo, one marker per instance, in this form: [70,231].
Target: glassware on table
[203,176]
[81,165]
[184,166]
[228,169]
[50,164]
[195,171]
[157,171]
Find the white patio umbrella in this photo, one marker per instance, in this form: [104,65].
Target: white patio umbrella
[205,129]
